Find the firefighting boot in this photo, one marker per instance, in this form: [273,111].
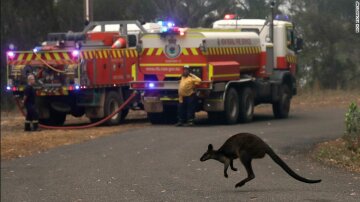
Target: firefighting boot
[178,124]
[27,126]
[190,123]
[36,126]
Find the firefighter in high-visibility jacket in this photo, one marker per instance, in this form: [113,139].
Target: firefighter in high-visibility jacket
[29,103]
[187,97]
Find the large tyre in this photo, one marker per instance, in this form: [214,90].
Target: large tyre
[281,108]
[231,112]
[56,118]
[246,105]
[112,103]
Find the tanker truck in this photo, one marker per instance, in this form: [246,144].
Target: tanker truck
[242,63]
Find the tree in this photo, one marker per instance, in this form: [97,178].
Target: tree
[331,45]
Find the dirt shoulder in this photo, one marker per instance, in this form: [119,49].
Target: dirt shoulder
[336,153]
[16,143]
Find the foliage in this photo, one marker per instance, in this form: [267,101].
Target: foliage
[330,57]
[352,125]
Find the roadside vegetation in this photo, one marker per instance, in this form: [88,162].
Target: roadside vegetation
[344,151]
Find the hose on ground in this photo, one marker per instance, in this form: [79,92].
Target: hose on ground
[83,126]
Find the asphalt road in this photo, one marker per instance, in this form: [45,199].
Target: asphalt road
[161,163]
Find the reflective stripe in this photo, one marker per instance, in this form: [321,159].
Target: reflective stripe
[211,71]
[168,99]
[159,51]
[133,72]
[66,56]
[29,56]
[150,51]
[47,56]
[185,52]
[194,51]
[172,75]
[225,75]
[21,55]
[171,65]
[57,56]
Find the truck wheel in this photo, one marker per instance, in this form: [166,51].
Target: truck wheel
[231,112]
[246,105]
[281,108]
[112,103]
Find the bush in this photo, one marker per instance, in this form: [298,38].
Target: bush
[352,125]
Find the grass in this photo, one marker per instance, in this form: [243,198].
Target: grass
[16,143]
[336,153]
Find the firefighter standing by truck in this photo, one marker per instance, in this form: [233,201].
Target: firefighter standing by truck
[187,97]
[29,103]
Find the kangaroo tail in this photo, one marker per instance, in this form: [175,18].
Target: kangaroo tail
[287,169]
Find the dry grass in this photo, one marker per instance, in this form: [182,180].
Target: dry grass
[336,153]
[17,143]
[326,98]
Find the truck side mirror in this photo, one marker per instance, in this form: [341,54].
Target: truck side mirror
[299,45]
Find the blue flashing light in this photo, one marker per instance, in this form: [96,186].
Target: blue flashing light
[170,24]
[8,88]
[36,49]
[151,85]
[166,26]
[164,29]
[282,17]
[77,87]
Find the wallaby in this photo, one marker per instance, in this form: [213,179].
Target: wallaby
[247,146]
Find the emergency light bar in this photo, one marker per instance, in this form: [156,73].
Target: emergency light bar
[11,54]
[282,17]
[229,16]
[168,27]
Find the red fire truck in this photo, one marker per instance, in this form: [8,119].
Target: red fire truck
[80,73]
[242,63]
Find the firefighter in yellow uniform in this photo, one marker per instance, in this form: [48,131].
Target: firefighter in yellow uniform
[187,97]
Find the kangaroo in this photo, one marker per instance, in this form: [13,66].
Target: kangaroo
[247,147]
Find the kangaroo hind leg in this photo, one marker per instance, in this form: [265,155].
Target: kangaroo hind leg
[232,166]
[246,161]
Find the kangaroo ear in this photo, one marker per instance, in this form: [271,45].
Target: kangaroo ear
[210,147]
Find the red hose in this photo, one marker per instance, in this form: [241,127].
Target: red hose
[84,126]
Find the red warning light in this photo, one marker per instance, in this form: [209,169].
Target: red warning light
[229,16]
